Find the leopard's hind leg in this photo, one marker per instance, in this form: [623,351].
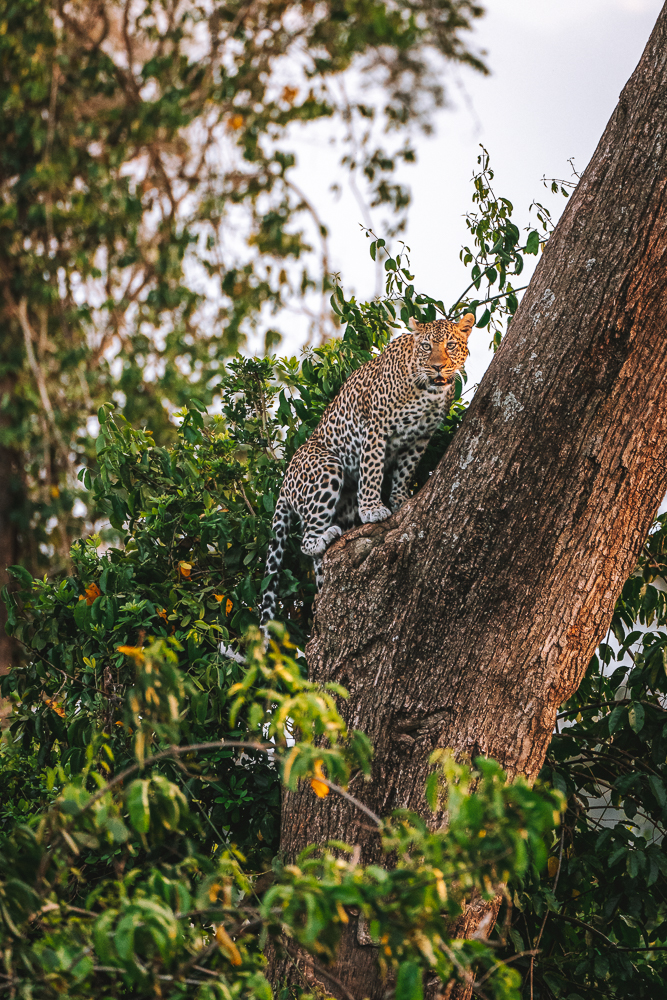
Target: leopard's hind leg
[345,517]
[347,511]
[317,511]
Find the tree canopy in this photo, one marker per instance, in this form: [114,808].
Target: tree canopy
[149,218]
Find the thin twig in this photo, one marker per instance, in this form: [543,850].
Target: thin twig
[505,961]
[474,284]
[239,483]
[612,944]
[21,313]
[350,798]
[608,704]
[546,915]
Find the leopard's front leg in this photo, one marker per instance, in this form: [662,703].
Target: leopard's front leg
[404,471]
[371,472]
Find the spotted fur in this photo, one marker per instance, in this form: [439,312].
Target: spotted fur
[378,425]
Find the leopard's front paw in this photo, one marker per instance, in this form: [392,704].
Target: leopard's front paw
[370,514]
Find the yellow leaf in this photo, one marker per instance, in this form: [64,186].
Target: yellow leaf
[341,912]
[58,709]
[236,121]
[228,606]
[152,695]
[55,492]
[185,568]
[162,613]
[227,946]
[440,885]
[219,597]
[291,757]
[92,593]
[135,651]
[552,866]
[320,789]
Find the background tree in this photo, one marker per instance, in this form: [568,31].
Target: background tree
[149,221]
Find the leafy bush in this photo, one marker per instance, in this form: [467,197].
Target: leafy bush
[165,912]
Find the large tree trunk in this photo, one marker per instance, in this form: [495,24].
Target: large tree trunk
[467,618]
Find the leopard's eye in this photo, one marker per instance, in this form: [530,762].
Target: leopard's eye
[426,344]
[451,345]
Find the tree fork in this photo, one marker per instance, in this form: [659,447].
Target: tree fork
[467,618]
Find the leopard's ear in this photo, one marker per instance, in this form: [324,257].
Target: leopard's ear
[466,323]
[414,325]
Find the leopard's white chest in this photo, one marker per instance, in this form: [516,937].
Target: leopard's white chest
[416,419]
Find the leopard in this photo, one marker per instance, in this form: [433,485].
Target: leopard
[374,432]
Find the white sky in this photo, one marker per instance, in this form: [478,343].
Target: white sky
[557,69]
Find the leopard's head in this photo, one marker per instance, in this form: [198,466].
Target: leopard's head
[440,349]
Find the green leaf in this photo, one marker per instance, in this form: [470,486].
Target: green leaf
[636,717]
[616,719]
[432,791]
[601,966]
[616,855]
[259,986]
[21,574]
[533,242]
[101,936]
[124,936]
[658,788]
[82,615]
[137,804]
[409,982]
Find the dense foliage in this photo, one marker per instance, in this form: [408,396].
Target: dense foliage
[183,557]
[115,888]
[149,216]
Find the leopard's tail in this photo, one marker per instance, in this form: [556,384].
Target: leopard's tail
[282,520]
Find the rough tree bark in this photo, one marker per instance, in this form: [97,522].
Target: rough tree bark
[467,618]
